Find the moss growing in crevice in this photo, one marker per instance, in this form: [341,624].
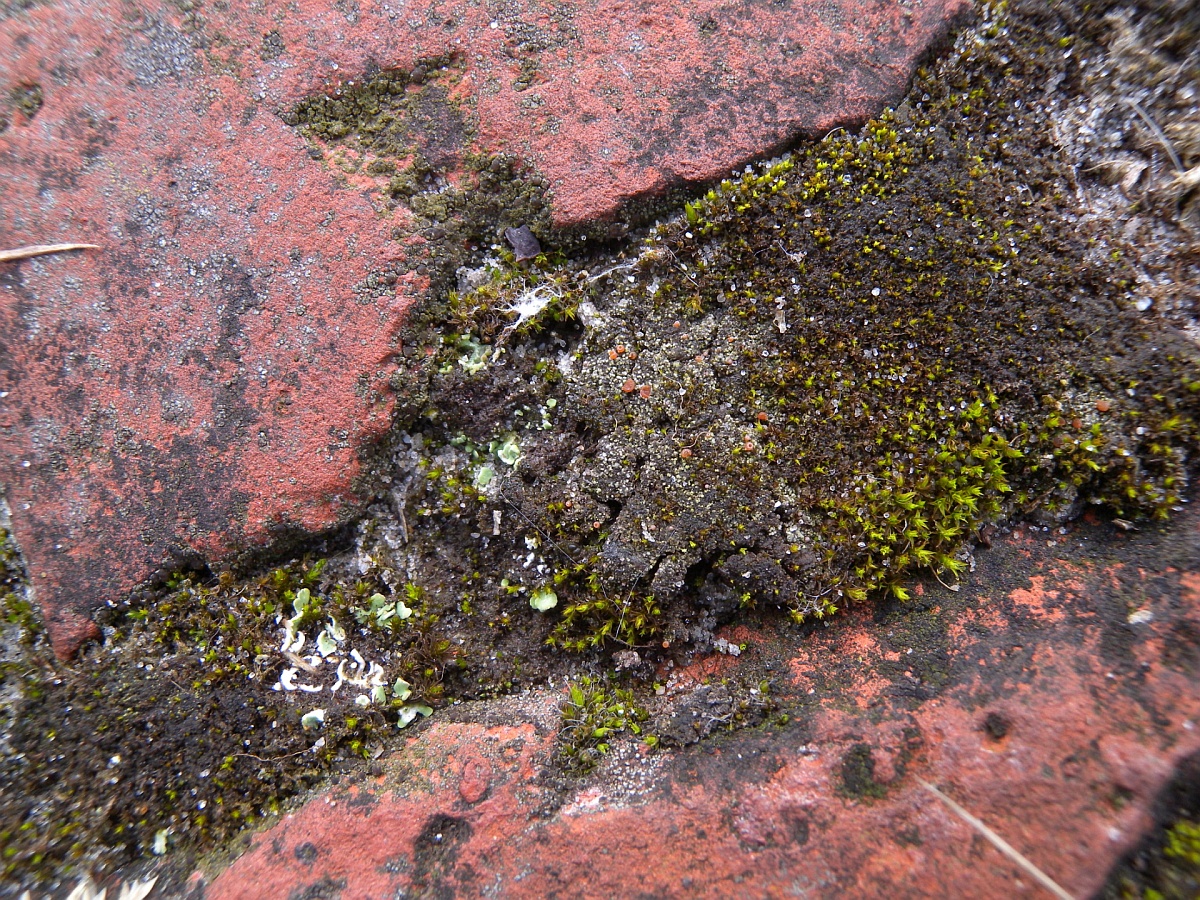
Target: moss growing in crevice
[12,572]
[592,716]
[828,374]
[817,382]
[1166,864]
[201,713]
[934,347]
[409,139]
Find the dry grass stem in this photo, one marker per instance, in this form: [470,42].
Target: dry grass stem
[41,250]
[1000,844]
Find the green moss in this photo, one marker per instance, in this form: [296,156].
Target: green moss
[592,619]
[1183,844]
[1175,871]
[921,350]
[12,573]
[19,613]
[1165,867]
[858,774]
[592,715]
[194,670]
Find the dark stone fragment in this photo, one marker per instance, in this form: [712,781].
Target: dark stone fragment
[525,245]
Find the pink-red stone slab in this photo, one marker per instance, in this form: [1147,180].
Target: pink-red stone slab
[210,378]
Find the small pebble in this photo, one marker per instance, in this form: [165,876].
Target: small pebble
[525,245]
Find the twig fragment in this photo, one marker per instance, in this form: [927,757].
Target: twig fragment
[1000,844]
[41,250]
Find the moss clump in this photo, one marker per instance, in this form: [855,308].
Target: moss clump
[592,715]
[20,628]
[593,619]
[882,342]
[393,115]
[1175,873]
[235,626]
[12,573]
[189,722]
[1183,844]
[937,361]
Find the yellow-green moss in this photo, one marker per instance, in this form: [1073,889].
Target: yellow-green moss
[592,715]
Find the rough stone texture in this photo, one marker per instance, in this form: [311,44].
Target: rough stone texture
[211,377]
[1052,698]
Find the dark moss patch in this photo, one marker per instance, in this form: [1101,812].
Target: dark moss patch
[435,850]
[168,732]
[857,773]
[12,572]
[306,853]
[394,115]
[187,725]
[325,889]
[857,768]
[24,101]
[415,141]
